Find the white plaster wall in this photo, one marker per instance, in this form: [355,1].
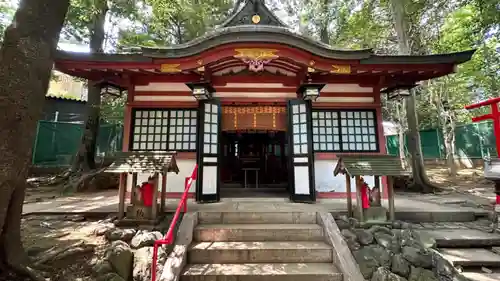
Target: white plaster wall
[175,182]
[326,182]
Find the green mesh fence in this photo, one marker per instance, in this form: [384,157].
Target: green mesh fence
[471,141]
[57,143]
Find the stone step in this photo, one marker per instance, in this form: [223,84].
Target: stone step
[462,238]
[260,252]
[471,257]
[257,217]
[262,272]
[258,232]
[477,276]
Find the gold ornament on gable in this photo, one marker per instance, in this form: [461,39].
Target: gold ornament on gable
[256,54]
[170,68]
[341,69]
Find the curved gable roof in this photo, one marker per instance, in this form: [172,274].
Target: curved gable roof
[253,34]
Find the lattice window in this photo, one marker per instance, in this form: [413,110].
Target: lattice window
[345,131]
[211,129]
[299,123]
[164,130]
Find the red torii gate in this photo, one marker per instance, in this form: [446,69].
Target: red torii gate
[495,116]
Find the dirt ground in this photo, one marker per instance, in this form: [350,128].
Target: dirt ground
[467,181]
[43,235]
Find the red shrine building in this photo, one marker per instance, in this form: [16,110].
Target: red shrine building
[260,109]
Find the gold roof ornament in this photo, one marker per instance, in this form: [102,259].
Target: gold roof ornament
[256,19]
[341,69]
[170,68]
[256,54]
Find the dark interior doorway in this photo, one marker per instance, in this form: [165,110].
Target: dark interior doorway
[254,164]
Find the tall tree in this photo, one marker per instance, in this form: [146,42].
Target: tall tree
[26,59]
[420,180]
[86,22]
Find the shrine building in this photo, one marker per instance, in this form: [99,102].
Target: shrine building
[261,109]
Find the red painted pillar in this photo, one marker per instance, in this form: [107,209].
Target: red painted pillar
[495,114]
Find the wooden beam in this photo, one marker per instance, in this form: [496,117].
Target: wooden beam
[390,195]
[359,202]
[349,195]
[163,207]
[154,208]
[121,195]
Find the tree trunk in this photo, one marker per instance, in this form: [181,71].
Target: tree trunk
[26,60]
[323,33]
[420,180]
[85,159]
[449,143]
[401,133]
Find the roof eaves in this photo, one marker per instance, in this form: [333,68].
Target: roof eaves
[450,58]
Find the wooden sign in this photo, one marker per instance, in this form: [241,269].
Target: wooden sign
[253,118]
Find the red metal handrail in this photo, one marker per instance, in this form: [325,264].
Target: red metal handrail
[168,239]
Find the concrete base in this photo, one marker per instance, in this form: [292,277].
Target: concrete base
[262,272]
[471,257]
[258,232]
[260,252]
[460,238]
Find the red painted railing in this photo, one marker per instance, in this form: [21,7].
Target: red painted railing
[169,237]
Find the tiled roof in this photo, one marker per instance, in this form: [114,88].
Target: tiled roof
[370,165]
[144,162]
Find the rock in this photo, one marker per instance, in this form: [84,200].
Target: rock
[395,246]
[353,245]
[343,222]
[383,274]
[120,257]
[406,239]
[370,258]
[400,266]
[421,274]
[424,240]
[101,229]
[353,222]
[383,239]
[110,277]
[418,257]
[145,238]
[365,237]
[75,218]
[367,263]
[115,234]
[443,268]
[142,263]
[377,228]
[406,225]
[348,234]
[396,224]
[102,268]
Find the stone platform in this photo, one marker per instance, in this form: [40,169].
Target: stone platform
[407,208]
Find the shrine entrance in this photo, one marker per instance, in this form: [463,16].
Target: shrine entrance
[254,163]
[254,145]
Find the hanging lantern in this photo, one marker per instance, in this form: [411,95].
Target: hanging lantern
[398,92]
[201,90]
[310,91]
[110,88]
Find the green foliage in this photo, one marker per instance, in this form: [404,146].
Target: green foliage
[167,22]
[6,15]
[82,13]
[112,109]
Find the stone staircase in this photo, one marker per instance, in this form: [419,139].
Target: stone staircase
[476,252]
[251,246]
